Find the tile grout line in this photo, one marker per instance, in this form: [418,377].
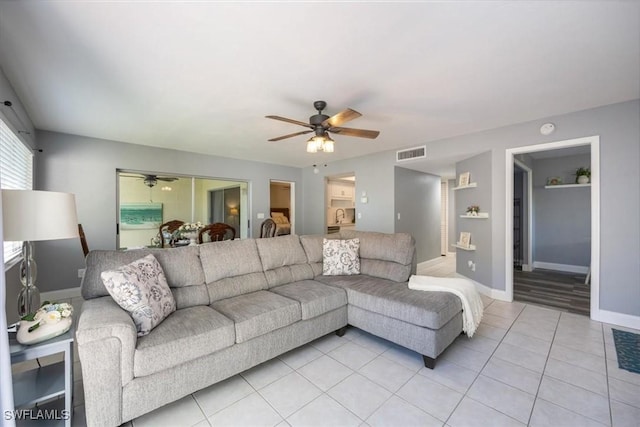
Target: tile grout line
[544,368]
[483,366]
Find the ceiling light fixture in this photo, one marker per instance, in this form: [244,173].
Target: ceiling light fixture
[321,142]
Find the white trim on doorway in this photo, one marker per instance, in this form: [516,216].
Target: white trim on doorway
[528,264]
[594,143]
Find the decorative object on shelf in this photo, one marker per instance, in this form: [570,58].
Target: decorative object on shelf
[51,320]
[189,230]
[464,179]
[465,239]
[29,216]
[583,175]
[473,210]
[554,180]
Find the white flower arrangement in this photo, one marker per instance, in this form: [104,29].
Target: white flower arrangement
[50,313]
[191,226]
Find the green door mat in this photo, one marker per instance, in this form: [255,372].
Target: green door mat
[628,350]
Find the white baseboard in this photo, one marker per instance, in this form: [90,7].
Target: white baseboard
[60,294]
[526,267]
[431,262]
[581,269]
[485,290]
[620,319]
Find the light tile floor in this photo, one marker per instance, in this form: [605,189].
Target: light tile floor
[526,365]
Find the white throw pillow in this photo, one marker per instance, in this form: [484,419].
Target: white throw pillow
[340,257]
[141,288]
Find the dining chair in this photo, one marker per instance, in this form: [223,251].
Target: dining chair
[217,232]
[169,227]
[268,228]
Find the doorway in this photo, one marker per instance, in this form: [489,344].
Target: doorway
[281,205]
[594,259]
[225,206]
[340,191]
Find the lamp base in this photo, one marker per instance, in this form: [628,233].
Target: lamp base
[28,300]
[29,296]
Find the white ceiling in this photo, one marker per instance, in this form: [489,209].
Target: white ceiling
[201,76]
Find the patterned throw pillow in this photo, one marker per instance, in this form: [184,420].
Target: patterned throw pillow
[340,257]
[141,288]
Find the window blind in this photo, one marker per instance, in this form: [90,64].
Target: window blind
[16,173]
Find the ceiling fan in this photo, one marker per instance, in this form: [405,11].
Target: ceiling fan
[322,125]
[151,180]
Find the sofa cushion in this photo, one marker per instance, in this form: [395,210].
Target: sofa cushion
[383,255]
[258,313]
[340,257]
[283,260]
[314,297]
[396,300]
[341,281]
[231,268]
[185,335]
[181,266]
[141,288]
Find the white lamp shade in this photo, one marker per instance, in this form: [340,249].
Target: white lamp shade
[29,215]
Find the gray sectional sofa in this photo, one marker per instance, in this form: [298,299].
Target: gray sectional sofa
[241,303]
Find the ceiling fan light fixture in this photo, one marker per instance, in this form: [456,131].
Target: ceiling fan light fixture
[312,146]
[328,145]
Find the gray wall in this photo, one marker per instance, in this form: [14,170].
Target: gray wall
[480,169]
[562,216]
[87,167]
[618,126]
[418,200]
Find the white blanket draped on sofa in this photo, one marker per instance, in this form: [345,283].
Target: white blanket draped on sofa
[472,307]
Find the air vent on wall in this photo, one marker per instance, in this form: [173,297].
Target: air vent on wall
[411,154]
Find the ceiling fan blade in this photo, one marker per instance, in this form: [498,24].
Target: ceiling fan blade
[166,178]
[341,117]
[284,119]
[362,133]
[290,135]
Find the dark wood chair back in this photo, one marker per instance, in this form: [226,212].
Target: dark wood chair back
[169,227]
[217,232]
[268,228]
[83,241]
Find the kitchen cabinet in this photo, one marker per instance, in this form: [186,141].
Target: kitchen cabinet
[341,190]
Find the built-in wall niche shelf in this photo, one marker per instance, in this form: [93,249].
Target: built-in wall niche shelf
[464,248]
[566,185]
[469,185]
[480,215]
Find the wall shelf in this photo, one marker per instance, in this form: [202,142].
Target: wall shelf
[567,185]
[470,185]
[470,248]
[481,215]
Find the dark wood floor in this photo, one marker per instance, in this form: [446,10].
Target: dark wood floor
[557,289]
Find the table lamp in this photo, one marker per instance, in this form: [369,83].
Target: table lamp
[29,216]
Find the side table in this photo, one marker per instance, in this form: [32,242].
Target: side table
[44,383]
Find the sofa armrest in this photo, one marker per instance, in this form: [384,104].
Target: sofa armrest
[106,337]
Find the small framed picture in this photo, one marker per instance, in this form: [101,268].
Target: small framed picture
[554,180]
[465,239]
[463,181]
